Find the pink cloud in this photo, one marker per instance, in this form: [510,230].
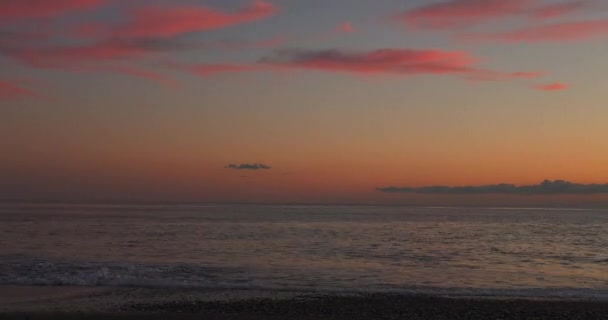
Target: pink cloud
[556,10]
[110,56]
[157,21]
[77,55]
[241,45]
[123,69]
[147,35]
[212,69]
[489,75]
[10,90]
[144,74]
[346,27]
[269,42]
[461,13]
[465,13]
[390,62]
[533,74]
[557,86]
[397,61]
[19,9]
[557,32]
[90,30]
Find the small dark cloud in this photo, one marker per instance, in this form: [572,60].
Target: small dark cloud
[248,166]
[544,188]
[389,61]
[381,61]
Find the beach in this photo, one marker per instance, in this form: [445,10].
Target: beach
[146,303]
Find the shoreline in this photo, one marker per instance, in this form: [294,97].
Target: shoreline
[47,303]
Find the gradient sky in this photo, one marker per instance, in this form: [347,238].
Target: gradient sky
[152,100]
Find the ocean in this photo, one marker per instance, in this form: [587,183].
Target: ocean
[518,252]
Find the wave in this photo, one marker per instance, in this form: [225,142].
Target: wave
[21,270]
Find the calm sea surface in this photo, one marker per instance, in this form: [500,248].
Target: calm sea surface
[481,251]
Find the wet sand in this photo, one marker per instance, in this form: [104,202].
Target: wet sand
[125,303]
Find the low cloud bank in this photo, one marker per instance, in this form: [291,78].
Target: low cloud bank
[248,166]
[544,188]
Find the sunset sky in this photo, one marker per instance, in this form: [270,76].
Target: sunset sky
[302,101]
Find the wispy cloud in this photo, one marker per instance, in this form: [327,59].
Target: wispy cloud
[242,45]
[545,187]
[169,21]
[9,90]
[248,166]
[20,9]
[389,61]
[144,74]
[556,86]
[560,9]
[466,13]
[382,61]
[149,33]
[346,27]
[460,13]
[213,69]
[555,32]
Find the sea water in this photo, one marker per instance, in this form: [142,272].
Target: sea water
[527,252]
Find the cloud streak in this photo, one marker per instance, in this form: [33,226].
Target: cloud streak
[213,69]
[399,62]
[556,10]
[149,33]
[21,9]
[460,13]
[544,188]
[248,166]
[467,13]
[346,27]
[382,61]
[10,90]
[555,32]
[389,62]
[164,22]
[556,86]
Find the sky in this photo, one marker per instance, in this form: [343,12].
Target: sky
[305,101]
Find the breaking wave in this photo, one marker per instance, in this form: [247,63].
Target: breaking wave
[22,270]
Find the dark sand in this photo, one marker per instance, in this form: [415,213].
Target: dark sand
[375,306]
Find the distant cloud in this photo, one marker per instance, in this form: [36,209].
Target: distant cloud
[169,21]
[21,9]
[346,27]
[544,188]
[386,61]
[10,90]
[242,45]
[556,86]
[111,56]
[451,14]
[556,32]
[213,69]
[395,61]
[459,13]
[146,34]
[248,166]
[556,10]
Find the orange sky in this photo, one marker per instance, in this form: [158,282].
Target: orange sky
[131,108]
